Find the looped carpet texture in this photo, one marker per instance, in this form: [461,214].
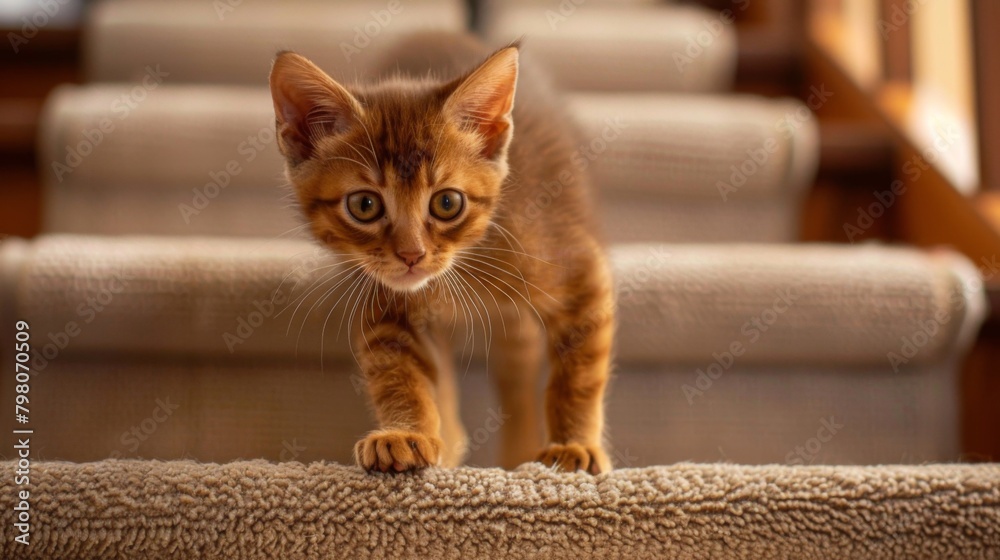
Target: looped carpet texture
[259,510]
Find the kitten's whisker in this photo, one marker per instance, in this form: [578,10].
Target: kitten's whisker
[370,143]
[442,284]
[520,273]
[316,304]
[294,229]
[304,274]
[291,271]
[503,321]
[501,269]
[350,321]
[359,281]
[485,307]
[466,313]
[356,150]
[439,123]
[526,300]
[325,277]
[508,236]
[371,326]
[487,325]
[352,160]
[471,322]
[515,252]
[316,284]
[348,293]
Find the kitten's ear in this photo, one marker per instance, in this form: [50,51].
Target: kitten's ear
[483,100]
[308,105]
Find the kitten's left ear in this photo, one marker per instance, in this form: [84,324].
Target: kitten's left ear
[482,102]
[308,106]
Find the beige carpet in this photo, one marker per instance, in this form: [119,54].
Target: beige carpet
[136,509]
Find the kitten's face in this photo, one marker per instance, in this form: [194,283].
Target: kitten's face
[401,176]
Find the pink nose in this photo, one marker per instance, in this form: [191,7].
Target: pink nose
[411,258]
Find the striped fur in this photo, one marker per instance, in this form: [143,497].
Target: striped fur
[521,261]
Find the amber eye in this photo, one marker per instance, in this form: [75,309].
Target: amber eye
[365,206]
[445,205]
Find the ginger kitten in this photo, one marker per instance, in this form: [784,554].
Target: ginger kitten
[456,197]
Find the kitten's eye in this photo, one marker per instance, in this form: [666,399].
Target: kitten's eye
[445,205]
[365,206]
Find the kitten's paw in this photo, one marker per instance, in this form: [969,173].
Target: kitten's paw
[575,457]
[397,451]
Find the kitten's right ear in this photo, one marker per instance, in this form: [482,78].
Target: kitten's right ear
[308,105]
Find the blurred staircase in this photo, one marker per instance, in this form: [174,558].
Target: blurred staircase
[735,342]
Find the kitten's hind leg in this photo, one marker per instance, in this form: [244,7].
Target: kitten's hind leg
[515,365]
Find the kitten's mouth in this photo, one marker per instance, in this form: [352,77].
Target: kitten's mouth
[408,280]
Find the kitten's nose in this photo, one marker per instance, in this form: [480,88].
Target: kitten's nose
[411,258]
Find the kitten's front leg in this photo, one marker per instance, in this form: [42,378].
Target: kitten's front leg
[398,364]
[580,338]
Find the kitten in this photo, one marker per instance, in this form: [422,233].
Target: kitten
[455,200]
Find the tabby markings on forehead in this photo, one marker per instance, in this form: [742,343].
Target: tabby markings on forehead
[407,164]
